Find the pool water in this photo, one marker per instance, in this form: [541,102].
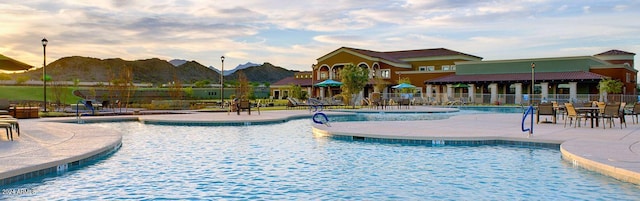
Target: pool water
[286,162]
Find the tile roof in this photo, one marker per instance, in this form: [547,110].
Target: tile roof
[294,81]
[517,77]
[397,56]
[615,52]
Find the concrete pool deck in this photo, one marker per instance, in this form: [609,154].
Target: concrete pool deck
[46,145]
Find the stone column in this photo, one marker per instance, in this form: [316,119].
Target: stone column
[518,98]
[449,92]
[472,93]
[321,92]
[493,87]
[573,92]
[429,92]
[544,91]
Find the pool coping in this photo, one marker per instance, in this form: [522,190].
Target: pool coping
[65,152]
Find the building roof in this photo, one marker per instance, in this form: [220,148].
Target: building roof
[615,52]
[396,56]
[294,81]
[518,77]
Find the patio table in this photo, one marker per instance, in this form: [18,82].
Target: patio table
[593,113]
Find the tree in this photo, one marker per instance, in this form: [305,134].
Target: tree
[354,79]
[4,76]
[201,83]
[297,92]
[607,85]
[244,89]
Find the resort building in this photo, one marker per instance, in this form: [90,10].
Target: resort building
[417,65]
[282,88]
[560,79]
[442,75]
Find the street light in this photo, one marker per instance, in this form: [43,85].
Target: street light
[222,83]
[533,83]
[313,67]
[44,70]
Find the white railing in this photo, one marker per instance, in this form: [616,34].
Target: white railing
[502,99]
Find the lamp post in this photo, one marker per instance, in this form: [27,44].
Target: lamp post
[44,70]
[222,83]
[313,67]
[533,83]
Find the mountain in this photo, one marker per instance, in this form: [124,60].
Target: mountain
[239,67]
[154,70]
[177,62]
[262,73]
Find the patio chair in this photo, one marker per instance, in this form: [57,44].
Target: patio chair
[244,104]
[611,111]
[572,115]
[13,121]
[4,107]
[7,127]
[404,102]
[558,108]
[635,112]
[546,109]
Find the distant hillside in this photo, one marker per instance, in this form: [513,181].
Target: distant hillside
[154,71]
[239,67]
[263,73]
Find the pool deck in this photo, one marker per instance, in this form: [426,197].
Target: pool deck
[46,145]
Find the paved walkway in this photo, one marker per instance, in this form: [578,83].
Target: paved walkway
[45,144]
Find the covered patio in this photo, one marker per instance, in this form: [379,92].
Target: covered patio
[510,87]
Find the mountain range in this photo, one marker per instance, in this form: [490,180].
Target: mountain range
[153,70]
[178,62]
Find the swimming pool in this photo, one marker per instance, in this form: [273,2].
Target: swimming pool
[285,162]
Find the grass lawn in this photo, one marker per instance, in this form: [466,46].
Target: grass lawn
[36,93]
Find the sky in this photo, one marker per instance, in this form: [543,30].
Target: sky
[293,34]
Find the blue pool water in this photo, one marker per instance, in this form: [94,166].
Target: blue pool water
[286,162]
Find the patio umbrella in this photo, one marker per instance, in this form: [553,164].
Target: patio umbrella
[403,86]
[329,83]
[460,85]
[10,64]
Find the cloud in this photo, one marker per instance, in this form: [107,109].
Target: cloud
[295,33]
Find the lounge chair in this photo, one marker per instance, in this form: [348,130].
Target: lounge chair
[546,109]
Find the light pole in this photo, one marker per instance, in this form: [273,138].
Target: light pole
[44,70]
[313,67]
[533,83]
[222,83]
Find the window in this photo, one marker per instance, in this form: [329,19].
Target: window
[422,68]
[323,75]
[385,73]
[448,67]
[431,68]
[628,78]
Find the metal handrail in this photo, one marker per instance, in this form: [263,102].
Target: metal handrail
[524,117]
